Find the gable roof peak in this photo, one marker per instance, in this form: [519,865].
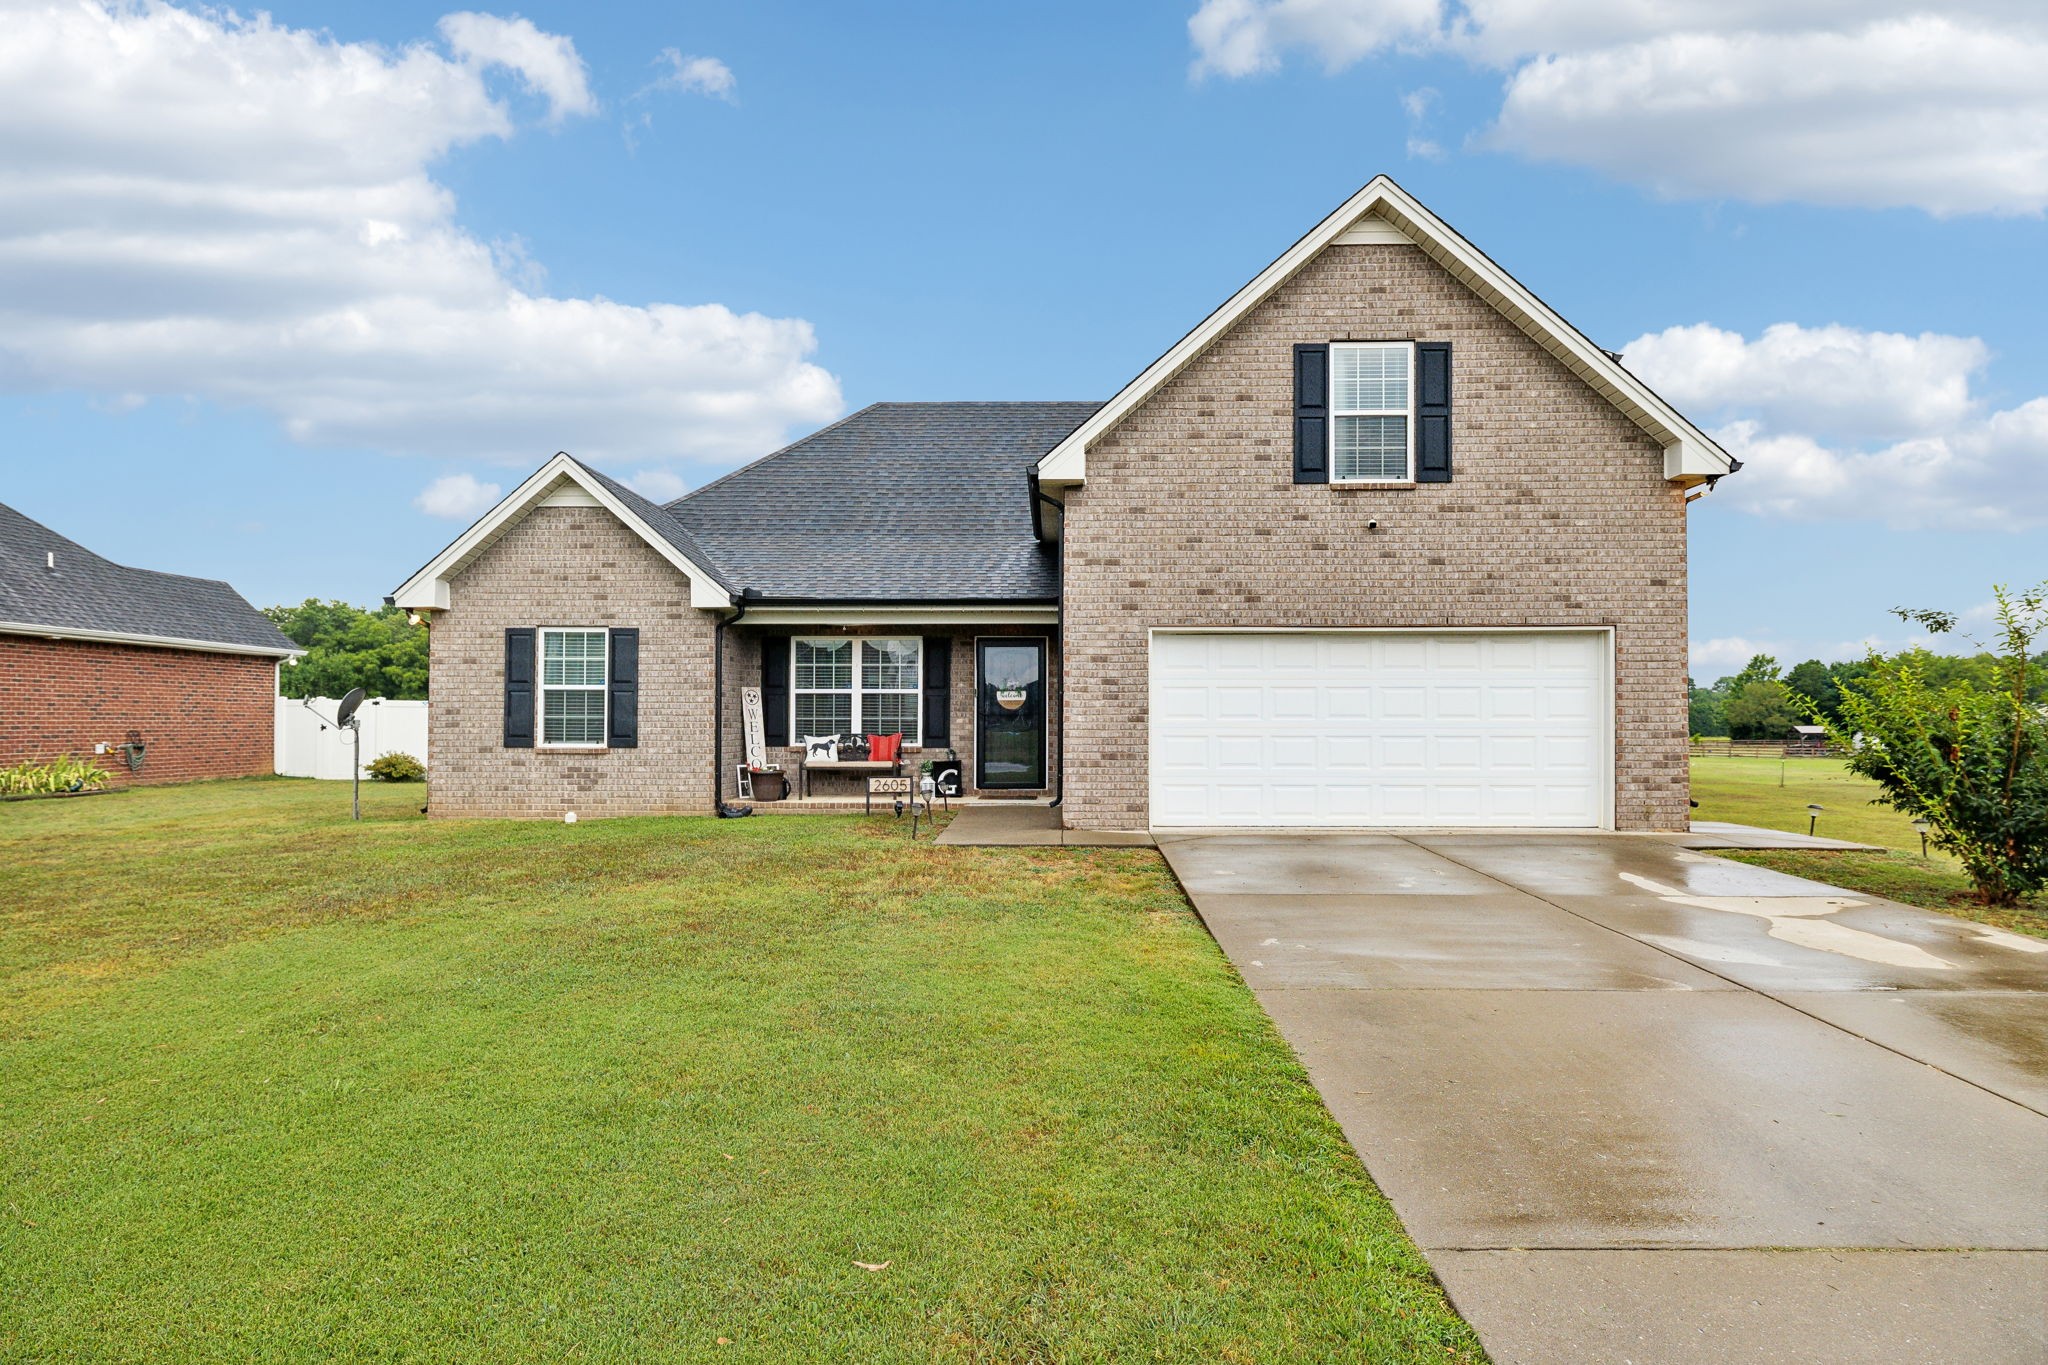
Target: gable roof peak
[1690,455]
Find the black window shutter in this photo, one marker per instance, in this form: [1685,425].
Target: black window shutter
[938,691]
[1312,413]
[1432,412]
[519,688]
[775,690]
[622,676]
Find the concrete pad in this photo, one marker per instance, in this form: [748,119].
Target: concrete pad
[1005,826]
[1593,865]
[1337,865]
[1838,942]
[1995,1039]
[1725,834]
[1029,825]
[1758,1307]
[1498,1119]
[1106,838]
[1503,941]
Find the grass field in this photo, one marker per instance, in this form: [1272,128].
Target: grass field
[275,1087]
[1748,791]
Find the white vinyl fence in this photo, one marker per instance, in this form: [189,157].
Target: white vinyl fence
[308,747]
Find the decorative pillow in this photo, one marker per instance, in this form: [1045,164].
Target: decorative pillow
[885,748]
[822,748]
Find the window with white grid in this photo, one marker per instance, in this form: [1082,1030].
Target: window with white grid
[857,686]
[572,688]
[1372,403]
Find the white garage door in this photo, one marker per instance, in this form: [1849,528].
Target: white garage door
[1376,728]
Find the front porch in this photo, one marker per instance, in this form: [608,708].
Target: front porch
[982,694]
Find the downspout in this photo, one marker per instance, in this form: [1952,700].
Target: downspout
[1059,549]
[744,598]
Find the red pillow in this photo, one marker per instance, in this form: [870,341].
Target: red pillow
[885,748]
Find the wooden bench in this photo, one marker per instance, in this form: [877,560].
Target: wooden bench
[868,767]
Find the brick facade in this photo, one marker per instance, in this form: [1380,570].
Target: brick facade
[199,714]
[1559,515]
[570,566]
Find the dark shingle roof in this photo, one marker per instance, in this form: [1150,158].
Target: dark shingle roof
[900,502]
[97,596]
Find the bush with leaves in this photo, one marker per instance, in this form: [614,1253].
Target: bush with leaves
[1971,762]
[396,767]
[61,774]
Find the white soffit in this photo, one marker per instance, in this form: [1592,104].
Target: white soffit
[561,482]
[1384,213]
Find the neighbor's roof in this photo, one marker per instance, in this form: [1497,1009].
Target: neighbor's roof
[900,502]
[91,598]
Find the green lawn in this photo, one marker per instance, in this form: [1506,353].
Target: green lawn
[278,1087]
[1748,791]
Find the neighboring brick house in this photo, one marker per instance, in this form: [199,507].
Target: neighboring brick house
[97,655]
[1384,541]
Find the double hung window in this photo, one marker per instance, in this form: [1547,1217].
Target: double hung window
[1372,406]
[844,685]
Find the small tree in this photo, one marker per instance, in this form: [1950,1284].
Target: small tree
[1971,761]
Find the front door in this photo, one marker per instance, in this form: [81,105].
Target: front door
[1009,713]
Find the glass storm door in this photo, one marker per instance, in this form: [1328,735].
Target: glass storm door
[1009,714]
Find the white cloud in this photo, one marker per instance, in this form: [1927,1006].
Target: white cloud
[1832,423]
[1867,103]
[1245,37]
[661,485]
[458,497]
[695,75]
[547,62]
[197,204]
[1831,380]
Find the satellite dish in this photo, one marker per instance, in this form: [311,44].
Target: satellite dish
[349,704]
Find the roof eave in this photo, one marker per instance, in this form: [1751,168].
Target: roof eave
[119,637]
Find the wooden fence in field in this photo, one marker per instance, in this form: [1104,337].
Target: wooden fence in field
[1728,748]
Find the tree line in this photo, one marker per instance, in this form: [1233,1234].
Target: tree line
[1763,703]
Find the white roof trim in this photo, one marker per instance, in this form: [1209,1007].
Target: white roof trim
[427,590]
[116,637]
[1690,455]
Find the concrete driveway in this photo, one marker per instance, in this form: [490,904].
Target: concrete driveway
[1642,1104]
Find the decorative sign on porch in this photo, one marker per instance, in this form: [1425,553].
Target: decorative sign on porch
[756,734]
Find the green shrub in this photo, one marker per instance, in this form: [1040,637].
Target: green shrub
[1970,762]
[61,774]
[395,767]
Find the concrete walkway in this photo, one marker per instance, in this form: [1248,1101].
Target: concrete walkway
[1643,1105]
[1027,824]
[1723,834]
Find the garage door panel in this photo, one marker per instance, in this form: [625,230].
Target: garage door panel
[1359,728]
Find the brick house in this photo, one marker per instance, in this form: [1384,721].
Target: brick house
[1383,541]
[94,653]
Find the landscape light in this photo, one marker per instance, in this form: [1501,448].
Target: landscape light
[1812,818]
[1922,826]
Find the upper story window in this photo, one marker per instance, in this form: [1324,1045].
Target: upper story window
[572,688]
[841,685]
[1372,407]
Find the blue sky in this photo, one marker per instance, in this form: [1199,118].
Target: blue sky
[271,282]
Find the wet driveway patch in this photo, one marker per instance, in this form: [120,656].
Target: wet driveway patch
[1565,1056]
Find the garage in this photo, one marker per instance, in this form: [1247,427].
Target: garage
[1381,728]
